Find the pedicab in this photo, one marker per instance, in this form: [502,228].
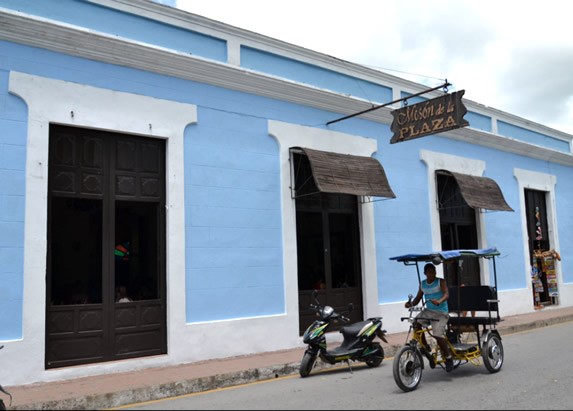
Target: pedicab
[472,339]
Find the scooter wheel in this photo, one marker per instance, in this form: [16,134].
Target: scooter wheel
[375,361]
[376,358]
[307,364]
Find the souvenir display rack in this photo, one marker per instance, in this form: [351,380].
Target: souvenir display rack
[543,272]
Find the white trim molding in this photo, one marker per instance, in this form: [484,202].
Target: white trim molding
[90,107]
[291,135]
[439,161]
[534,180]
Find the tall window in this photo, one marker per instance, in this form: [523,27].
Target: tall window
[458,231]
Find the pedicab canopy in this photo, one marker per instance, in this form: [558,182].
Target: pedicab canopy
[439,256]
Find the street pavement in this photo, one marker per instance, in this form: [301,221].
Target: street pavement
[114,390]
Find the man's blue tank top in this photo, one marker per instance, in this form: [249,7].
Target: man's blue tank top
[434,292]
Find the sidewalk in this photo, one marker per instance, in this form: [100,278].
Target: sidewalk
[114,390]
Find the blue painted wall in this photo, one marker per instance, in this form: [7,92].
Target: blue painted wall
[402,224]
[478,121]
[297,71]
[12,195]
[232,193]
[532,137]
[233,222]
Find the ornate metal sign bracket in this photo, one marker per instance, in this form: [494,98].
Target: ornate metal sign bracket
[405,99]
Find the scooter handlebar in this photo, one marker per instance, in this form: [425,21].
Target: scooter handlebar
[333,316]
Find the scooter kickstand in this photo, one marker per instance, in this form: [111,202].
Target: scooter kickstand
[349,367]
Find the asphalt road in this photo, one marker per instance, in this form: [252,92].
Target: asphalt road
[536,374]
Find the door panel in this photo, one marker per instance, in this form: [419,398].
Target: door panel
[138,329]
[75,332]
[310,243]
[329,258]
[105,237]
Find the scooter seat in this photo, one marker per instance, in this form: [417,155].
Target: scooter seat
[352,330]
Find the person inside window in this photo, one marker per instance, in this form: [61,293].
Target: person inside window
[435,291]
[121,295]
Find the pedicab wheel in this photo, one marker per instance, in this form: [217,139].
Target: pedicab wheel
[306,364]
[375,359]
[492,353]
[407,368]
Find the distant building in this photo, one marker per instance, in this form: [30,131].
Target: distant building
[173,188]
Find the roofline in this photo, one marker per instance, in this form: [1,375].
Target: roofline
[77,41]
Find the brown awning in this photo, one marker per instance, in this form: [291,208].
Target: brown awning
[348,174]
[480,192]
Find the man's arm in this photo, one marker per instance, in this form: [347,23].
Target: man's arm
[445,291]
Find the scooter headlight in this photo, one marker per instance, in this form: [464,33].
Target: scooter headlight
[327,311]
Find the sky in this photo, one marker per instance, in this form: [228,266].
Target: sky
[514,56]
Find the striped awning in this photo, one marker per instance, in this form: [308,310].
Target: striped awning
[348,174]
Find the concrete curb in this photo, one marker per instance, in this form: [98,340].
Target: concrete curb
[166,390]
[535,324]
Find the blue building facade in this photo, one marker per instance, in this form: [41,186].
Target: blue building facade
[225,112]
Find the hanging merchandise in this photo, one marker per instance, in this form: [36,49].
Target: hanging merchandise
[538,231]
[548,267]
[536,282]
[536,279]
[536,273]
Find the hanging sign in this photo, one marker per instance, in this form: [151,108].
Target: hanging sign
[429,117]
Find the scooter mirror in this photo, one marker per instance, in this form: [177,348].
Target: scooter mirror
[350,307]
[315,297]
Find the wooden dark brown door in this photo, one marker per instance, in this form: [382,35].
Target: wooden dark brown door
[105,286]
[328,250]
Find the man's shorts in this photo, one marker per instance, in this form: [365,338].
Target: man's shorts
[438,327]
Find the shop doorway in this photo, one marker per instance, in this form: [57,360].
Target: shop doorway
[328,248]
[458,230]
[542,257]
[105,286]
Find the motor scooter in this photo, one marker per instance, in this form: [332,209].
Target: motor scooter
[2,405]
[358,343]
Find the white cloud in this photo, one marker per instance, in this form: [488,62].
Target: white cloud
[514,56]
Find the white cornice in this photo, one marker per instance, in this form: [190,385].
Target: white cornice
[229,33]
[78,41]
[510,145]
